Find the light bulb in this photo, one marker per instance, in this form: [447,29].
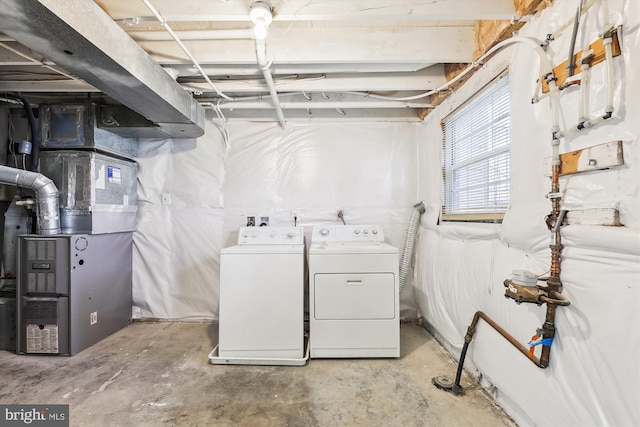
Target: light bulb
[260,11]
[261,17]
[260,31]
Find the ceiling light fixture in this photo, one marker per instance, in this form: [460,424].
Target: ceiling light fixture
[261,16]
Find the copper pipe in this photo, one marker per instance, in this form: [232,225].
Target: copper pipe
[505,334]
[555,188]
[548,331]
[554,299]
[555,217]
[554,271]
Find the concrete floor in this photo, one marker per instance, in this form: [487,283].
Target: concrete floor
[152,374]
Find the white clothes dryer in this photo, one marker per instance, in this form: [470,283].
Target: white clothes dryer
[353,293]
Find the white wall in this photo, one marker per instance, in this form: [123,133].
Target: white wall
[368,170]
[376,172]
[593,377]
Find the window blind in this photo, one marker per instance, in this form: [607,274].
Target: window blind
[476,153]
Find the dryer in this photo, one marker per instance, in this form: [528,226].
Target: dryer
[353,293]
[262,298]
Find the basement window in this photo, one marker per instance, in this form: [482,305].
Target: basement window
[476,156]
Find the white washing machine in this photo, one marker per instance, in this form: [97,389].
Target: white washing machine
[353,293]
[262,298]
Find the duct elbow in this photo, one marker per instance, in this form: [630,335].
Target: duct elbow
[47,206]
[44,186]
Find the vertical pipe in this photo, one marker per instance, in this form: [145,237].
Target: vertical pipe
[457,388]
[608,50]
[35,134]
[548,332]
[571,65]
[261,52]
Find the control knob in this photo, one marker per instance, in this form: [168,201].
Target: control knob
[324,231]
[290,235]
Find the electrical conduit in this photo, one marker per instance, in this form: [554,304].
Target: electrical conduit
[35,134]
[261,52]
[184,48]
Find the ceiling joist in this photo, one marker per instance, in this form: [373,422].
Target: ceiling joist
[305,10]
[329,59]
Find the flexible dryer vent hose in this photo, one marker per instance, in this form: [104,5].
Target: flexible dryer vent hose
[407,250]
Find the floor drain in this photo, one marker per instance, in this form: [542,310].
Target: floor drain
[443,383]
[447,384]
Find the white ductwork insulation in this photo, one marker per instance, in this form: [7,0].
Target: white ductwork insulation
[195,194]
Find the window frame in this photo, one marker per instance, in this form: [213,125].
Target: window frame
[485,213]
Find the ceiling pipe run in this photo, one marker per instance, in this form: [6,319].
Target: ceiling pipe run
[261,16]
[261,49]
[72,35]
[184,48]
[148,36]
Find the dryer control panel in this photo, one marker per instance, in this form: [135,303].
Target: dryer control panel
[270,236]
[347,233]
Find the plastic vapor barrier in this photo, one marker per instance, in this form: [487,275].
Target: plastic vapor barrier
[194,195]
[593,375]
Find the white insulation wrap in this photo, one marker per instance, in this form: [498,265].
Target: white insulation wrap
[195,195]
[594,374]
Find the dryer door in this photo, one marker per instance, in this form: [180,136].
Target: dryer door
[354,296]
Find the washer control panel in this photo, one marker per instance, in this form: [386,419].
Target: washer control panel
[347,233]
[270,236]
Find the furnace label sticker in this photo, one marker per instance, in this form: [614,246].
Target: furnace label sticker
[42,339]
[114,175]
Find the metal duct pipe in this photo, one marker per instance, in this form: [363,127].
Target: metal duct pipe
[261,52]
[407,250]
[47,213]
[72,34]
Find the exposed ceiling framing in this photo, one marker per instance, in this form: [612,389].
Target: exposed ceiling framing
[330,59]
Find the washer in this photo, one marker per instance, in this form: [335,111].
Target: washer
[262,298]
[353,293]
